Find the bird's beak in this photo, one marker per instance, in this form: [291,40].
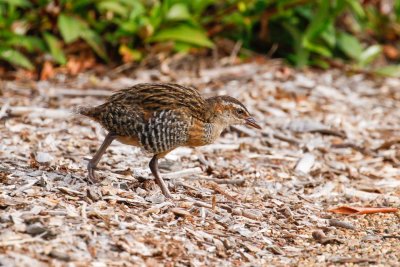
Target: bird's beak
[250,121]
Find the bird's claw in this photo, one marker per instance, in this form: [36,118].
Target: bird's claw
[168,195]
[164,189]
[91,177]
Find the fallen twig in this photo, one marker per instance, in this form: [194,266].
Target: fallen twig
[218,189]
[337,223]
[34,112]
[218,181]
[70,191]
[89,92]
[350,192]
[386,144]
[13,242]
[182,173]
[329,132]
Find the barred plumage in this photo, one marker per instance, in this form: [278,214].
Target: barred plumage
[160,117]
[164,131]
[160,96]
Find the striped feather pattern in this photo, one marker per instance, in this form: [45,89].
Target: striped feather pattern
[160,96]
[162,116]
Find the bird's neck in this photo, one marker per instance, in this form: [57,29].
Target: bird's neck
[214,123]
[212,131]
[210,109]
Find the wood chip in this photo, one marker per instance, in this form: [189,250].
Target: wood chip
[180,212]
[341,224]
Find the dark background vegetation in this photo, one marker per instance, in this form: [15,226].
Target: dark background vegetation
[320,33]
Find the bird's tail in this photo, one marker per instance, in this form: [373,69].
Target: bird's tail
[85,111]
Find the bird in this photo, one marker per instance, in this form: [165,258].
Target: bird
[159,117]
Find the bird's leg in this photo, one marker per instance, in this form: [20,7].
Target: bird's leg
[96,158]
[154,170]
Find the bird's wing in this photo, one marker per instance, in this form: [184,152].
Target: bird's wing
[152,97]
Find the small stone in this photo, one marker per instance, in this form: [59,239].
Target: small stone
[318,235]
[60,255]
[35,229]
[156,198]
[43,157]
[4,218]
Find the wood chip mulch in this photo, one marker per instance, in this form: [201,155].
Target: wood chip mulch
[254,198]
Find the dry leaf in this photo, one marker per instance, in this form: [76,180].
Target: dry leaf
[77,65]
[391,52]
[361,210]
[47,71]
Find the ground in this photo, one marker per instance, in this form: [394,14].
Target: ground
[254,198]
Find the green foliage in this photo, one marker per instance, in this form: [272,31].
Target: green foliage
[183,34]
[15,57]
[306,32]
[392,71]
[27,28]
[55,48]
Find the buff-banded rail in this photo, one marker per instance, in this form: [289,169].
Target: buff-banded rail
[159,117]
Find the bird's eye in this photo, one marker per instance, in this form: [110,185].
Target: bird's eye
[240,112]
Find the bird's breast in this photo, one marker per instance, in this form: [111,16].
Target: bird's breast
[203,133]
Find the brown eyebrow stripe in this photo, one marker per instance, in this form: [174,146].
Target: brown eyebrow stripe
[230,99]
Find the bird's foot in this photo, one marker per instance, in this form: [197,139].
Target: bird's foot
[91,177]
[165,191]
[164,188]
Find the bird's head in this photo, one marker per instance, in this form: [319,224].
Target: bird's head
[228,111]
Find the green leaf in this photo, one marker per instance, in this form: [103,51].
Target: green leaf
[319,22]
[15,58]
[131,3]
[199,6]
[30,43]
[74,6]
[137,10]
[356,7]
[389,71]
[17,3]
[329,35]
[317,48]
[369,54]
[55,47]
[113,6]
[302,55]
[95,43]
[70,28]
[130,54]
[129,26]
[349,45]
[338,7]
[156,15]
[183,33]
[182,47]
[320,63]
[178,11]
